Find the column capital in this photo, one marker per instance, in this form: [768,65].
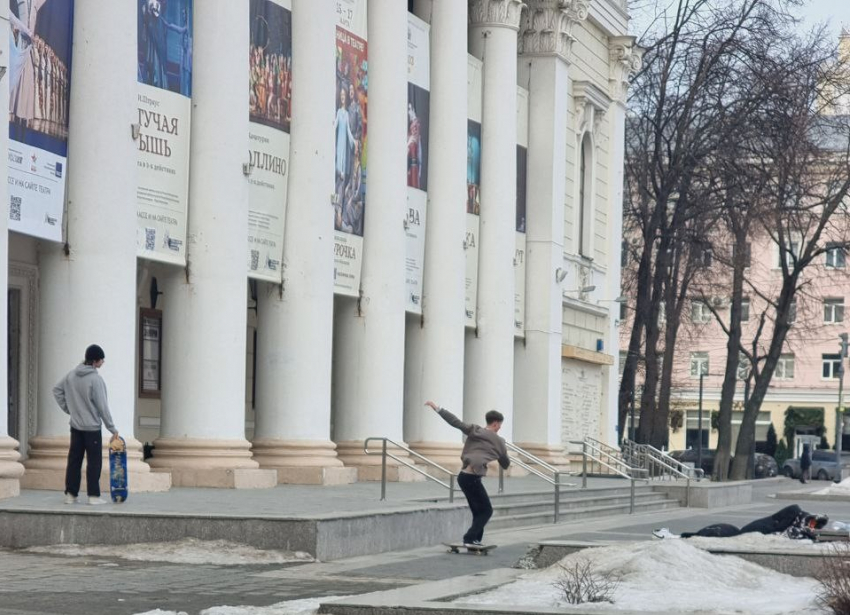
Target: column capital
[497,13]
[547,26]
[625,59]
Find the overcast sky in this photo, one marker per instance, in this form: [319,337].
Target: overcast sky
[835,13]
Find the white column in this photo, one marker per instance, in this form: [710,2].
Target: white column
[544,62]
[295,341]
[624,59]
[369,354]
[435,346]
[88,285]
[489,369]
[10,469]
[202,434]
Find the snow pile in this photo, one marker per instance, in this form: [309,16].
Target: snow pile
[754,541]
[308,606]
[186,551]
[842,488]
[668,576]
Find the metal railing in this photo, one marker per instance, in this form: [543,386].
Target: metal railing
[539,471]
[659,464]
[386,453]
[607,456]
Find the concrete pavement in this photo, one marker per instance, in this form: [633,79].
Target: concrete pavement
[38,583]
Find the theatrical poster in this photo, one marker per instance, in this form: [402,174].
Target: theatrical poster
[474,85]
[270,114]
[39,67]
[521,187]
[165,103]
[350,134]
[418,107]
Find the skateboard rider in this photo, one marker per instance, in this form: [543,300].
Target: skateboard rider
[483,445]
[82,395]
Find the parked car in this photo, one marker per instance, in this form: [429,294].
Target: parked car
[766,465]
[823,465]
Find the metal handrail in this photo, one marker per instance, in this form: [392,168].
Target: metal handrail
[680,468]
[385,453]
[554,480]
[588,443]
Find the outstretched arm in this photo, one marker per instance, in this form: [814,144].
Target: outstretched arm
[450,418]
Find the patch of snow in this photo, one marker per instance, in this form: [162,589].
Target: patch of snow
[842,488]
[308,606]
[161,612]
[186,551]
[754,541]
[668,576]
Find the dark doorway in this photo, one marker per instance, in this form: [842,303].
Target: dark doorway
[13,330]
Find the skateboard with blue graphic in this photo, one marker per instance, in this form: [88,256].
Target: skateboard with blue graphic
[118,470]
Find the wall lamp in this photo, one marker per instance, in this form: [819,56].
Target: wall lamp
[560,274]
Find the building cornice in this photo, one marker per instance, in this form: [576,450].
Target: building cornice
[547,27]
[496,13]
[591,105]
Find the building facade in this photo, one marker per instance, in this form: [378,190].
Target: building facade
[273,287]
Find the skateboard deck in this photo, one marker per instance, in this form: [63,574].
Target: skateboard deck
[118,470]
[455,547]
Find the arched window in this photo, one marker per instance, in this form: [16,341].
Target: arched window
[585,198]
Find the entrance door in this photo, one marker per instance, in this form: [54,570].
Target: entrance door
[13,330]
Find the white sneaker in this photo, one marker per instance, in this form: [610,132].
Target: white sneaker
[664,533]
[96,501]
[71,499]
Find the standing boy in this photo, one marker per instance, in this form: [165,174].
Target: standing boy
[483,445]
[82,395]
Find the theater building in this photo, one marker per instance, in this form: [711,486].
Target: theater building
[277,272]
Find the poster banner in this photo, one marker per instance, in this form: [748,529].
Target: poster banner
[418,115]
[270,115]
[474,86]
[521,187]
[165,102]
[39,96]
[350,128]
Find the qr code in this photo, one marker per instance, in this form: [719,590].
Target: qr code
[255,259]
[150,239]
[15,210]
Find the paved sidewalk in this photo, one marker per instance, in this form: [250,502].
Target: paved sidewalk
[37,583]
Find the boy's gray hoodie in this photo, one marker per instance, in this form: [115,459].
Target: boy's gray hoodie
[82,395]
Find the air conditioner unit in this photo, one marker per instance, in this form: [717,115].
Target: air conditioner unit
[717,301]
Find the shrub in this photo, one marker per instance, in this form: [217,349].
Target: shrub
[834,594]
[580,583]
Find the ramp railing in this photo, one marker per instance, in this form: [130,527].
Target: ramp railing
[385,453]
[539,468]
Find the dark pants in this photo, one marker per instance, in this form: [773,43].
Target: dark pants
[479,504]
[774,524]
[86,443]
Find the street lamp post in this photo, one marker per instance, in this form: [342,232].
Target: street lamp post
[839,414]
[632,417]
[702,374]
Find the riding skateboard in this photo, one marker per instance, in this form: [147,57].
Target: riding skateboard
[455,547]
[118,470]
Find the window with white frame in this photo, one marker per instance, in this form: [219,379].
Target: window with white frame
[745,309]
[833,310]
[792,250]
[624,354]
[836,255]
[624,310]
[831,365]
[700,312]
[785,367]
[624,254]
[585,197]
[699,364]
[743,367]
[792,312]
[704,255]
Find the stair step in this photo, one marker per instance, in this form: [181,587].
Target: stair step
[533,519]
